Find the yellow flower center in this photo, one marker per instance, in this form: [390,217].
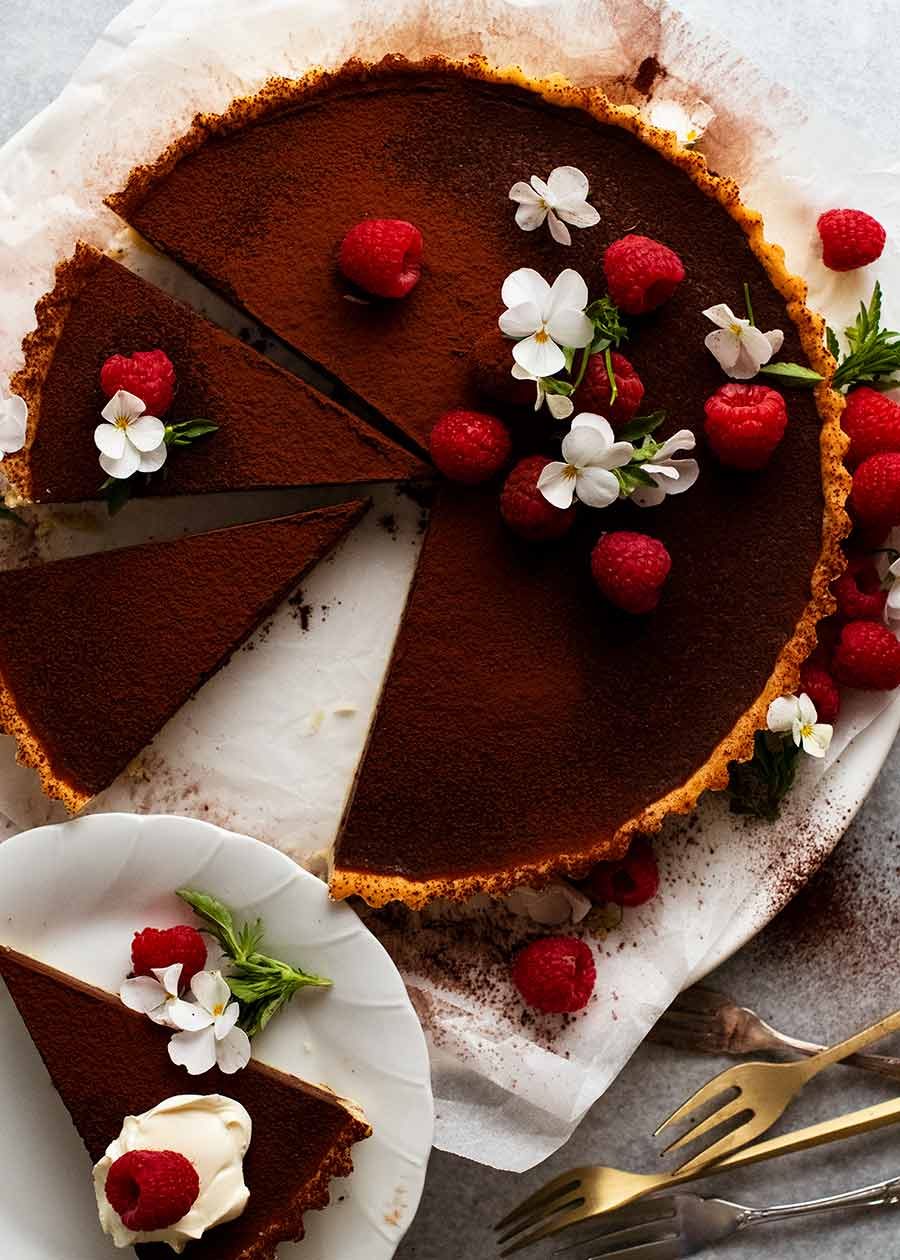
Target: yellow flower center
[218,1009]
[122,422]
[541,336]
[736,329]
[570,472]
[806,730]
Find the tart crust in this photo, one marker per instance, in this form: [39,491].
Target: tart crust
[280,95]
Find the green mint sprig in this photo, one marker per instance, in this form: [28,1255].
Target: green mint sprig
[609,332]
[873,354]
[118,490]
[758,786]
[261,984]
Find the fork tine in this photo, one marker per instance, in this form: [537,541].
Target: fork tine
[722,1116]
[705,1094]
[732,1141]
[563,1184]
[643,1212]
[561,1204]
[621,1240]
[668,1249]
[575,1213]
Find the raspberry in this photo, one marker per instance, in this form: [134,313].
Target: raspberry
[875,497]
[524,508]
[630,881]
[641,273]
[872,422]
[161,948]
[744,424]
[148,374]
[151,1189]
[382,256]
[630,569]
[867,656]
[850,239]
[469,446]
[555,975]
[593,392]
[858,591]
[820,687]
[492,362]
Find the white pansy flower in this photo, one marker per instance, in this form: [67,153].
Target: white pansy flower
[157,996]
[541,318]
[561,199]
[215,1040]
[739,346]
[552,906]
[590,451]
[13,423]
[892,607]
[670,114]
[560,406]
[796,715]
[130,441]
[671,476]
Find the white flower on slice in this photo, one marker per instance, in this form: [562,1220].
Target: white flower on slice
[739,346]
[560,406]
[796,715]
[216,1039]
[892,607]
[540,319]
[157,996]
[13,423]
[560,200]
[671,476]
[590,451]
[130,441]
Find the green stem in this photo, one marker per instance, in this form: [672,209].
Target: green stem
[748,304]
[613,388]
[582,367]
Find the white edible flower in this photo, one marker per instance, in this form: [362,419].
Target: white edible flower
[560,406]
[560,200]
[157,996]
[13,423]
[740,347]
[671,476]
[541,318]
[590,451]
[670,114]
[796,715]
[892,607]
[215,1039]
[130,441]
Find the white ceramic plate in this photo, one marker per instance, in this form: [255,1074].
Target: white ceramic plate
[73,894]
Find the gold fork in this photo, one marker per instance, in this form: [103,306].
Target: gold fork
[764,1090]
[583,1193]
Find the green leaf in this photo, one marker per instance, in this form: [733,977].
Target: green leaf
[117,491]
[216,916]
[608,327]
[874,353]
[569,352]
[792,375]
[832,343]
[553,386]
[641,426]
[187,431]
[758,786]
[630,477]
[7,514]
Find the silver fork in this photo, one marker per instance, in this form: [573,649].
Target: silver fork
[682,1224]
[711,1022]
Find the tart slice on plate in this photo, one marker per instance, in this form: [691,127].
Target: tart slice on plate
[99,651]
[109,1063]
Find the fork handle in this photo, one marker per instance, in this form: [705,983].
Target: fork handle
[834,1054]
[882,1064]
[881,1194]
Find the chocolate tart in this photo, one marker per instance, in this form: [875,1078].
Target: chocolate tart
[108,1062]
[523,728]
[274,429]
[98,652]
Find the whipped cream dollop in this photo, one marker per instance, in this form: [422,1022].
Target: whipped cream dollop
[211,1131]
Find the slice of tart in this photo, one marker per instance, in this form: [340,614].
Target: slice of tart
[108,1062]
[273,428]
[98,652]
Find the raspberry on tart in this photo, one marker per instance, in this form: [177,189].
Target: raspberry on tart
[744,424]
[382,256]
[524,508]
[150,374]
[641,273]
[631,569]
[594,392]
[470,446]
[152,1189]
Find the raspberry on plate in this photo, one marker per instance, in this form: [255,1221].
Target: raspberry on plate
[152,1189]
[744,424]
[594,391]
[155,947]
[875,496]
[630,881]
[867,656]
[872,422]
[469,446]
[630,569]
[382,256]
[555,975]
[850,239]
[524,508]
[641,273]
[820,687]
[859,592]
[148,374]
[492,362]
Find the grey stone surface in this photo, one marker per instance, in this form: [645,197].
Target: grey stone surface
[830,963]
